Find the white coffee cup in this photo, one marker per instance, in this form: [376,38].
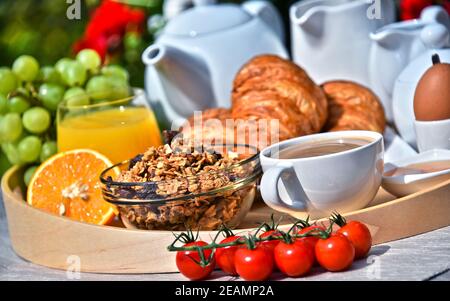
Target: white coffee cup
[432,134]
[342,182]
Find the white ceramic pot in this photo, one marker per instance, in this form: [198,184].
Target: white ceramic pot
[394,46]
[330,38]
[192,64]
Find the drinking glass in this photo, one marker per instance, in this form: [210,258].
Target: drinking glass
[119,129]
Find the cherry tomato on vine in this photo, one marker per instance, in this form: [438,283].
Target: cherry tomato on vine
[270,244]
[225,256]
[294,259]
[360,237]
[335,253]
[254,264]
[188,262]
[311,239]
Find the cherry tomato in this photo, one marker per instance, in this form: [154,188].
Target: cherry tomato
[335,253]
[310,246]
[188,262]
[295,259]
[254,264]
[360,237]
[225,256]
[270,244]
[311,239]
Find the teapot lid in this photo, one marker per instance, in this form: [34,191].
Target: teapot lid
[207,19]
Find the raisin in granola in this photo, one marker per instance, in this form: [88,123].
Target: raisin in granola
[181,169]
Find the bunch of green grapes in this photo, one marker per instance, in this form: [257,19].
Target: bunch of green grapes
[30,95]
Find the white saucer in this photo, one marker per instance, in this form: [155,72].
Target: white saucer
[407,184]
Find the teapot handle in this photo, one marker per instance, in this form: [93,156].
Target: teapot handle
[268,13]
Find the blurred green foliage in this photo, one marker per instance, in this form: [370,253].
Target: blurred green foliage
[39,28]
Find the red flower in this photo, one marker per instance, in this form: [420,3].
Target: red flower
[446,5]
[411,9]
[108,24]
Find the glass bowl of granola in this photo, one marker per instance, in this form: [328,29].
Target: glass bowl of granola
[178,187]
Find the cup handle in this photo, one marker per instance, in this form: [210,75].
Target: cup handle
[269,188]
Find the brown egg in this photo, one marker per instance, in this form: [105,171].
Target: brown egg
[432,96]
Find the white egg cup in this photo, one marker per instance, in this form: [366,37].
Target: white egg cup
[432,134]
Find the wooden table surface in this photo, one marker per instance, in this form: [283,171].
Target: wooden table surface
[422,257]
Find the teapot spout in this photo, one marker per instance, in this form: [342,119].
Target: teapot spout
[154,55]
[184,77]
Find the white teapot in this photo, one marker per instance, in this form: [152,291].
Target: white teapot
[193,63]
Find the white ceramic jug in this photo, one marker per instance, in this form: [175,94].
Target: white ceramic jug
[330,38]
[436,38]
[394,46]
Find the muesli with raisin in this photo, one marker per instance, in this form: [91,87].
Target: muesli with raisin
[173,172]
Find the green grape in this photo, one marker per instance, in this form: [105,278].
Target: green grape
[11,152]
[10,127]
[8,81]
[76,96]
[74,74]
[62,64]
[36,120]
[4,163]
[104,87]
[29,173]
[119,87]
[115,70]
[132,40]
[23,92]
[51,95]
[89,59]
[49,74]
[3,104]
[29,149]
[49,148]
[26,68]
[18,104]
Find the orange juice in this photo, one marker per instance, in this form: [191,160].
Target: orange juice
[118,133]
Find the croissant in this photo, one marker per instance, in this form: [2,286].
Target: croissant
[353,107]
[271,88]
[210,126]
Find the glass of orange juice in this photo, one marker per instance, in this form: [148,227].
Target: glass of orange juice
[119,129]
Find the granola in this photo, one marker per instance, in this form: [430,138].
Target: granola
[173,172]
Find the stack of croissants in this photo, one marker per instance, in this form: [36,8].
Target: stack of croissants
[271,88]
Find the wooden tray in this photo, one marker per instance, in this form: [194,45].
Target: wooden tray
[51,240]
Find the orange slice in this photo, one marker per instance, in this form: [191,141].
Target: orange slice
[68,184]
